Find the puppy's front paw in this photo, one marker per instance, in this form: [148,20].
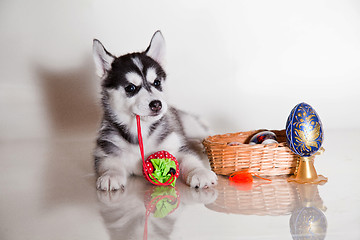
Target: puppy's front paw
[111,182]
[201,178]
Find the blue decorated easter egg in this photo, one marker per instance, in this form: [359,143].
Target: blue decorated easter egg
[304,132]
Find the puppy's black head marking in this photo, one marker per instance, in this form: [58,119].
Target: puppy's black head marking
[127,63]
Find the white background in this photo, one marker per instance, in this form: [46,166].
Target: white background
[241,65]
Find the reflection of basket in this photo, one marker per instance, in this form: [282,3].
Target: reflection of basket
[272,159]
[275,198]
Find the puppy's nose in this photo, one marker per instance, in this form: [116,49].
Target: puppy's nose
[155,105]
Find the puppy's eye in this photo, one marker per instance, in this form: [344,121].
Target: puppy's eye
[130,88]
[157,83]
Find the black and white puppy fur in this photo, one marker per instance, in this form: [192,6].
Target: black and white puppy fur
[135,84]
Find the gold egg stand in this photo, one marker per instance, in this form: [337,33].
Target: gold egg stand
[305,171]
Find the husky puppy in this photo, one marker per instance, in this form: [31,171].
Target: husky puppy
[134,84]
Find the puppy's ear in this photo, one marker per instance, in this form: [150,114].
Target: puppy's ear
[102,58]
[156,49]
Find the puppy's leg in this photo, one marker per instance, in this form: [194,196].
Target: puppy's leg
[112,176]
[194,173]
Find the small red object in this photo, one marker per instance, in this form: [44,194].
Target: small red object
[241,177]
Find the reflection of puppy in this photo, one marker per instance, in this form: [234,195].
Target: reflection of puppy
[134,84]
[125,212]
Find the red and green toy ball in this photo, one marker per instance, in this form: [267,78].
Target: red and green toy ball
[161,168]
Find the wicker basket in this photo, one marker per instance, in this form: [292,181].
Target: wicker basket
[272,159]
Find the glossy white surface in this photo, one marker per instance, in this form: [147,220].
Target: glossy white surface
[48,192]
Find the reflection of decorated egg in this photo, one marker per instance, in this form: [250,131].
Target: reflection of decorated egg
[308,223]
[304,131]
